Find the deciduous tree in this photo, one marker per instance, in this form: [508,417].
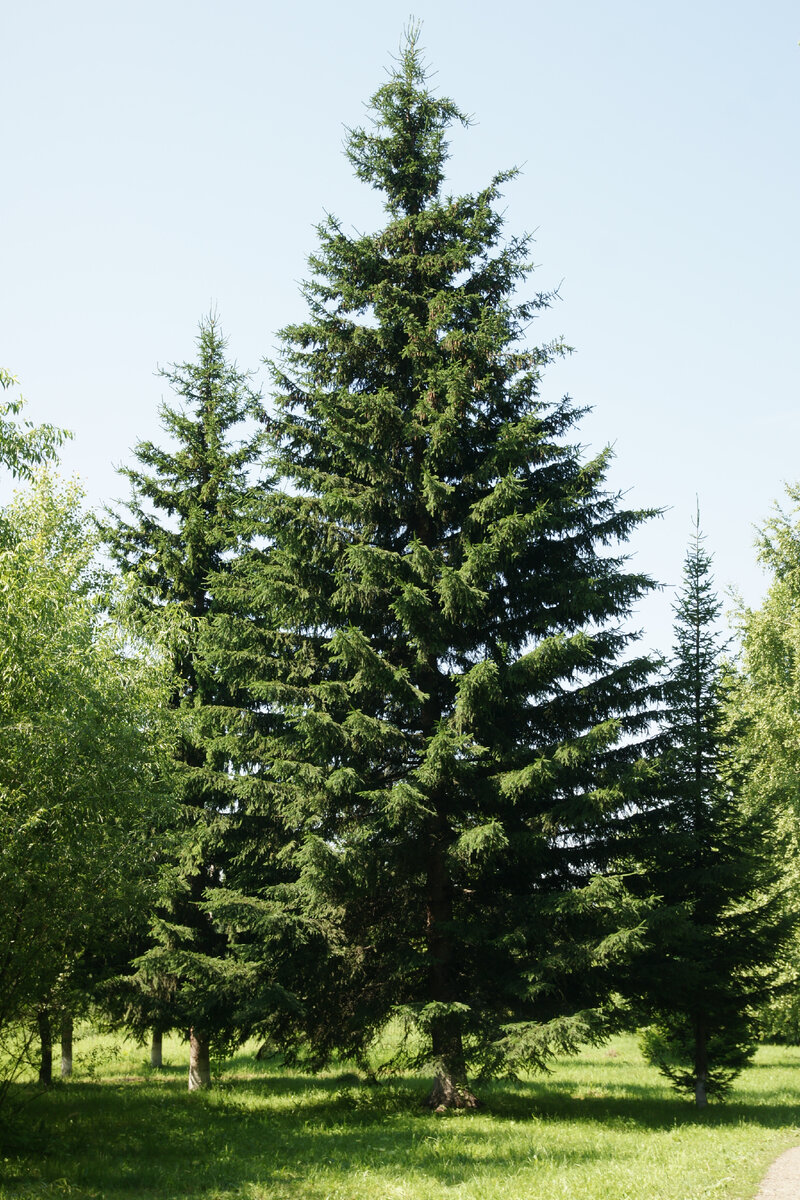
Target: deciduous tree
[82,750]
[23,445]
[768,692]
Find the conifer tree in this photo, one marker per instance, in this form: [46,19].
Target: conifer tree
[194,508]
[455,707]
[720,924]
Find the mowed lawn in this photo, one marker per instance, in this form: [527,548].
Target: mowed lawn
[601,1125]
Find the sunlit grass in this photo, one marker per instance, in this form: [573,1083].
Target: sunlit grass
[602,1125]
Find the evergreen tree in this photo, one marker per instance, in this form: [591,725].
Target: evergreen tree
[720,923]
[194,509]
[454,707]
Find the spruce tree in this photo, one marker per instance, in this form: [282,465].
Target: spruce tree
[193,510]
[716,934]
[455,703]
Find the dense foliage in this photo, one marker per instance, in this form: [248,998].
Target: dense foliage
[768,693]
[456,708]
[361,750]
[194,507]
[720,923]
[82,752]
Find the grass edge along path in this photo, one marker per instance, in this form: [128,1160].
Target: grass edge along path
[601,1125]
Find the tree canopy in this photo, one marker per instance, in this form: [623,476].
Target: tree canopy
[455,701]
[194,508]
[23,445]
[82,748]
[720,922]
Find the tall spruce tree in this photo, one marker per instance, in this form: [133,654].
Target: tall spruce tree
[716,935]
[458,707]
[194,509]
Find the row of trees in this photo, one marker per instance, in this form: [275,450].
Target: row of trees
[384,736]
[84,744]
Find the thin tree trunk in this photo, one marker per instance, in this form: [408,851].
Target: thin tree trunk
[46,1045]
[700,1066]
[450,1088]
[199,1065]
[66,1044]
[157,1049]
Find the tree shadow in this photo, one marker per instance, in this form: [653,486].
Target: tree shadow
[281,1132]
[633,1105]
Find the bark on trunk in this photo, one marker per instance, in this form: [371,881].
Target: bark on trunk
[700,1066]
[199,1066]
[46,1046]
[66,1045]
[450,1088]
[157,1049]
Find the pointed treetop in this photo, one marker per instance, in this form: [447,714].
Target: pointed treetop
[697,602]
[405,156]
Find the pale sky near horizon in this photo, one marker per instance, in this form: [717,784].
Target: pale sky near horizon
[164,158]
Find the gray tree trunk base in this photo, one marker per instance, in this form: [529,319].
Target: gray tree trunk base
[447,1093]
[199,1065]
[66,1045]
[156,1049]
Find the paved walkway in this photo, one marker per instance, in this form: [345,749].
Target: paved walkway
[782,1180]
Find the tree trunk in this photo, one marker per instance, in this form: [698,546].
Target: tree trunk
[156,1049]
[46,1044]
[199,1066]
[700,1066]
[66,1044]
[450,1088]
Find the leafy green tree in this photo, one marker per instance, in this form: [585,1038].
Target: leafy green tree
[768,693]
[455,708]
[82,751]
[24,446]
[720,925]
[194,509]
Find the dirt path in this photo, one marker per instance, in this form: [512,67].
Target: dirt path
[782,1180]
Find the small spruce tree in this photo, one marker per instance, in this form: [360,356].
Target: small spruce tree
[720,923]
[194,509]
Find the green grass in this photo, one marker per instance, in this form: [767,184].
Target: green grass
[602,1125]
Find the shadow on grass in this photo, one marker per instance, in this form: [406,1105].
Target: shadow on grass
[632,1105]
[275,1134]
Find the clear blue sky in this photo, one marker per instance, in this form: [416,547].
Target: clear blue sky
[161,158]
